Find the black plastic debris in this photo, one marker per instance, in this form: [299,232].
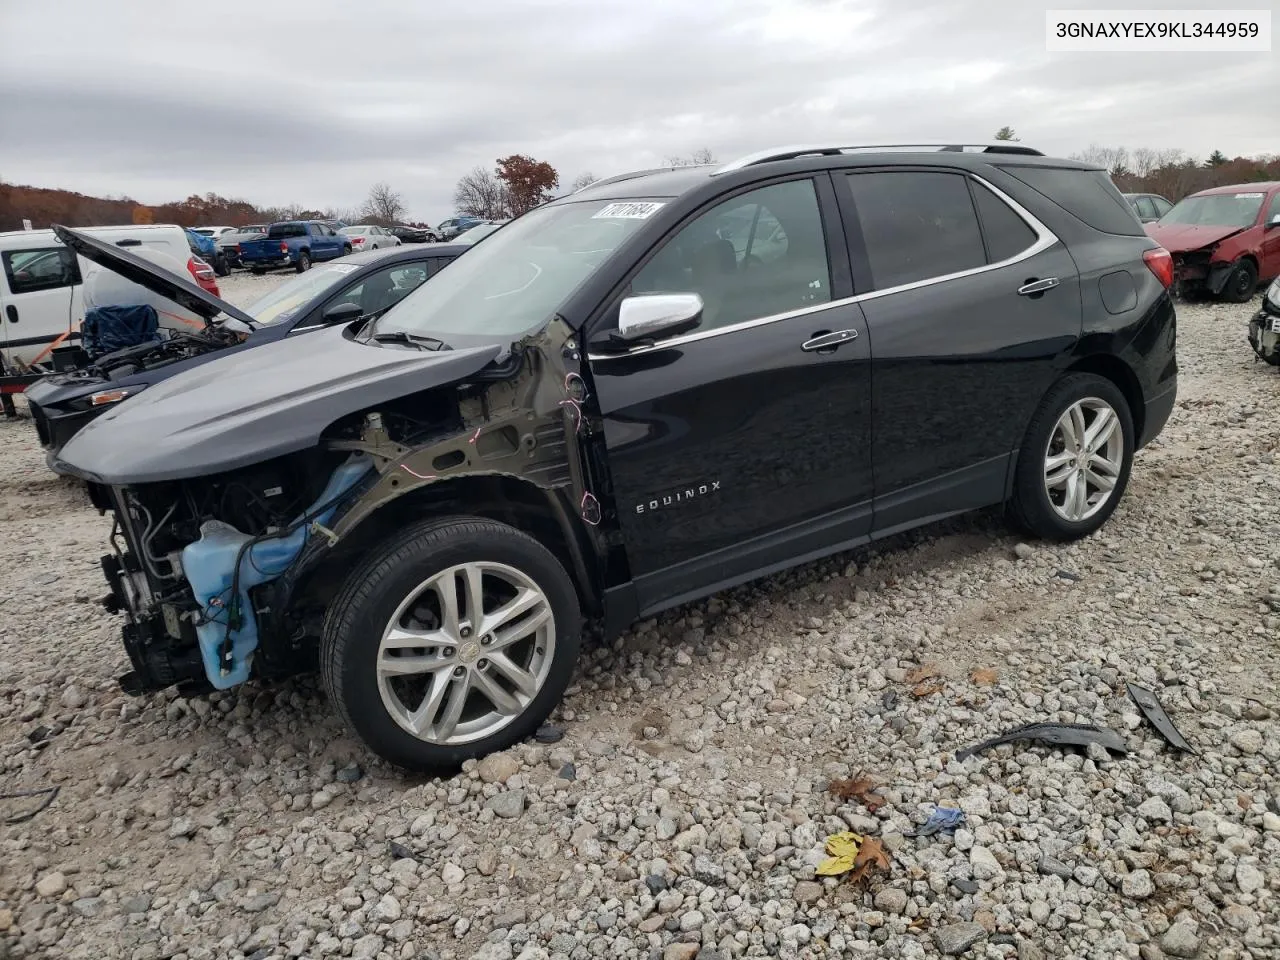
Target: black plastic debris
[1054,734]
[400,852]
[1067,575]
[49,793]
[1154,711]
[548,734]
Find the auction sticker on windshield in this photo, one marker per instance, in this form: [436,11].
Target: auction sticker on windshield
[1248,196]
[344,267]
[641,210]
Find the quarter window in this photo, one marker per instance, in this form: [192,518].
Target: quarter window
[1006,234]
[756,255]
[1146,207]
[916,225]
[1162,206]
[29,271]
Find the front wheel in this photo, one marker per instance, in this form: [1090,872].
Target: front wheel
[452,641]
[1242,283]
[304,262]
[1074,462]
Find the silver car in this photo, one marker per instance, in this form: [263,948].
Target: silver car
[369,237]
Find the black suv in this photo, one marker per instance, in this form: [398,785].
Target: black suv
[665,384]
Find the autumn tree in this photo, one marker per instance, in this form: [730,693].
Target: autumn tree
[1006,133]
[383,206]
[481,194]
[529,182]
[699,158]
[143,214]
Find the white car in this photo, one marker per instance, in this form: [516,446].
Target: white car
[214,232]
[369,238]
[41,284]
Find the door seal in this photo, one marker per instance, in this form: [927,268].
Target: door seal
[1152,709]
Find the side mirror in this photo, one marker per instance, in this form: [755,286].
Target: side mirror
[1274,221]
[644,317]
[342,313]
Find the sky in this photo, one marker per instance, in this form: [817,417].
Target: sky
[311,103]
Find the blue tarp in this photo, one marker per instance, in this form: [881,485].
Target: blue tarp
[108,329]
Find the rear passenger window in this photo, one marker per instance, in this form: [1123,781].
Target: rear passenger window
[916,225]
[1162,206]
[1006,234]
[1146,208]
[1088,195]
[29,271]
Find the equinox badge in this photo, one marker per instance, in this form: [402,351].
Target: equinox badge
[678,496]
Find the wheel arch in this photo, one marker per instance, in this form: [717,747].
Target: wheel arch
[1121,374]
[541,513]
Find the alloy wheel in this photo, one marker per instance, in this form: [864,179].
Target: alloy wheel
[465,653]
[1083,460]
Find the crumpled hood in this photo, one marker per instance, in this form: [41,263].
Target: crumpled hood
[254,405]
[1183,237]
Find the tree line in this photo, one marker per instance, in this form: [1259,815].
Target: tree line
[45,207]
[1173,174]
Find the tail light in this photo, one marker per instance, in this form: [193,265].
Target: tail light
[284,247]
[357,240]
[199,269]
[1160,262]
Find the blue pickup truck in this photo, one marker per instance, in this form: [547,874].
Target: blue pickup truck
[294,243]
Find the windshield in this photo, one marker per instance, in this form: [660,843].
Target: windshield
[514,282]
[287,230]
[1217,210]
[287,300]
[475,233]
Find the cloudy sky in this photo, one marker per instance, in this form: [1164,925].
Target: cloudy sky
[312,102]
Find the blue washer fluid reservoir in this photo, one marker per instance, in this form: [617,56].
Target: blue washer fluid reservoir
[209,565]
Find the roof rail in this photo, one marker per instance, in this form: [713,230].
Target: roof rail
[792,152]
[637,173]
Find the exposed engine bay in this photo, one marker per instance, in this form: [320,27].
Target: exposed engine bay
[180,345]
[228,576]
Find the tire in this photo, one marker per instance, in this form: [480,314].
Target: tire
[379,595]
[220,265]
[304,262]
[1037,510]
[346,249]
[1242,284]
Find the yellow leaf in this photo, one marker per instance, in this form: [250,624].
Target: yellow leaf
[834,866]
[843,844]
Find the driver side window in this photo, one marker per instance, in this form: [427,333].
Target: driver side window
[1273,211]
[756,255]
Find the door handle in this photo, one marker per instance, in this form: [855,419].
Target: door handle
[12,313]
[828,340]
[1033,287]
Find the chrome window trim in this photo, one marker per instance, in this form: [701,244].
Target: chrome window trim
[1045,238]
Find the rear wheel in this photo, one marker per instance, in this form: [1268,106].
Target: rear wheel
[452,641]
[1074,463]
[1242,282]
[346,248]
[220,266]
[304,262]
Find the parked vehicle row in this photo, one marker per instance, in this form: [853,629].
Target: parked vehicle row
[294,243]
[656,387]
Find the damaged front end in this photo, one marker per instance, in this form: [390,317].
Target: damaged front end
[1264,327]
[227,575]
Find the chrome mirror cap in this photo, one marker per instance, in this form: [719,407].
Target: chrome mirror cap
[647,315]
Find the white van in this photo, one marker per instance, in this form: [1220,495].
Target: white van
[41,284]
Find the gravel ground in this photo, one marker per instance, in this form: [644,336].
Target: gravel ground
[683,812]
